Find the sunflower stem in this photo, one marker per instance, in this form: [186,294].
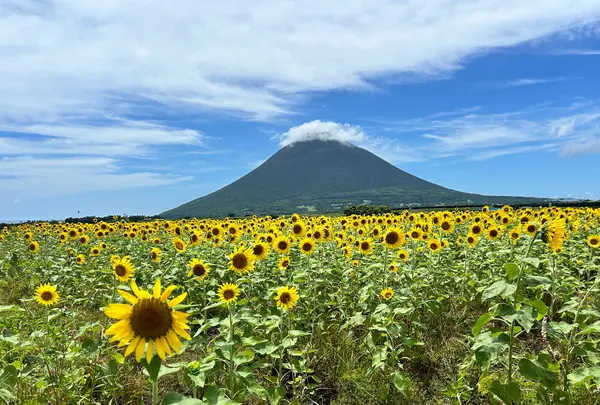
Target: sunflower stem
[155,391]
[231,364]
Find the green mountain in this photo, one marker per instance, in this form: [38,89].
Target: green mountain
[325,176]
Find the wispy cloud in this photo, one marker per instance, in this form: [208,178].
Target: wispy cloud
[532,81]
[580,52]
[88,59]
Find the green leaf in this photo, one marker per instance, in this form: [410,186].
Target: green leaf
[500,287]
[275,394]
[401,381]
[243,357]
[539,306]
[508,393]
[482,320]
[593,328]
[534,261]
[175,399]
[512,271]
[298,333]
[153,368]
[536,371]
[119,358]
[534,281]
[585,373]
[255,388]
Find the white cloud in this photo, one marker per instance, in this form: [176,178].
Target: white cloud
[386,148]
[582,146]
[323,131]
[89,58]
[532,81]
[41,177]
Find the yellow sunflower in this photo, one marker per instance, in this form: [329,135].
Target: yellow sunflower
[179,245]
[198,268]
[150,319]
[365,247]
[434,245]
[282,245]
[492,233]
[241,261]
[45,294]
[403,255]
[307,246]
[80,259]
[260,250]
[95,251]
[475,229]
[593,241]
[155,255]
[286,297]
[228,293]
[33,247]
[123,269]
[554,234]
[394,268]
[387,293]
[472,240]
[394,238]
[284,262]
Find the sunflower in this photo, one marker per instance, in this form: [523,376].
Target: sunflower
[156,241]
[155,255]
[45,294]
[152,319]
[472,240]
[284,263]
[415,233]
[531,229]
[282,245]
[515,234]
[198,268]
[84,239]
[387,293]
[365,247]
[554,234]
[241,261]
[286,297]
[123,269]
[228,293]
[260,251]
[307,246]
[348,252]
[475,229]
[179,245]
[403,255]
[95,251]
[394,239]
[447,226]
[80,259]
[593,241]
[298,229]
[355,263]
[434,245]
[33,247]
[492,233]
[394,268]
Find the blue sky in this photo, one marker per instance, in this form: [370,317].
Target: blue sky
[134,107]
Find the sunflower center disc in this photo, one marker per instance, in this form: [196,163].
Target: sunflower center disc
[199,270]
[151,318]
[120,270]
[258,249]
[391,238]
[47,296]
[306,247]
[282,245]
[239,261]
[285,298]
[228,294]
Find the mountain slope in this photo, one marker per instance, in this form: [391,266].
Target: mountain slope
[326,176]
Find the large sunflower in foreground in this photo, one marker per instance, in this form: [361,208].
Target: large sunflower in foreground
[555,233]
[151,320]
[123,269]
[45,294]
[286,297]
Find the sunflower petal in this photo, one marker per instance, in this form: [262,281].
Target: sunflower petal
[157,289]
[181,332]
[180,316]
[166,346]
[139,351]
[132,346]
[150,351]
[116,327]
[160,350]
[167,292]
[174,340]
[177,300]
[118,311]
[128,297]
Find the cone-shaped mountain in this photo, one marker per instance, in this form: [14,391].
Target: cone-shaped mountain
[324,176]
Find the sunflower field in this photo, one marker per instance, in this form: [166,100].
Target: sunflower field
[440,307]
